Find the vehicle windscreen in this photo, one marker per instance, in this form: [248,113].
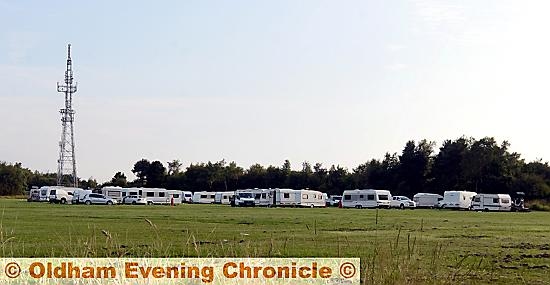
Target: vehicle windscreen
[245,195]
[382,197]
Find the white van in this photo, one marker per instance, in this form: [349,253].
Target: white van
[204,197]
[62,195]
[34,195]
[427,200]
[492,202]
[44,195]
[461,200]
[224,197]
[366,198]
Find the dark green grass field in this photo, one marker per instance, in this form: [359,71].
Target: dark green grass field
[398,247]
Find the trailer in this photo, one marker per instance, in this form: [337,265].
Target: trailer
[366,198]
[204,197]
[286,198]
[427,200]
[460,200]
[310,198]
[492,202]
[223,198]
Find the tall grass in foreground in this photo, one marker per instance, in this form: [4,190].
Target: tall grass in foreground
[404,259]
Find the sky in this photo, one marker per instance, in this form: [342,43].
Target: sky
[336,82]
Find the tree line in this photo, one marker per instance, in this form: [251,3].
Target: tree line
[483,166]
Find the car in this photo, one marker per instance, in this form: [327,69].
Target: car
[402,202]
[90,199]
[134,200]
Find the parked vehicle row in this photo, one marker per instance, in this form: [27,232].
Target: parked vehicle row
[358,198]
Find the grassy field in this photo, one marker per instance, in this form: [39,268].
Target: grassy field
[395,246]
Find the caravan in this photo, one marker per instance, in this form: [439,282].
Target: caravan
[461,200]
[224,197]
[366,198]
[204,197]
[254,197]
[311,198]
[286,197]
[427,200]
[492,202]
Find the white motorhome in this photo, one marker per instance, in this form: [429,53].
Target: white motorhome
[366,198]
[461,200]
[79,194]
[254,197]
[62,195]
[311,198]
[223,197]
[161,195]
[492,202]
[34,195]
[204,197]
[44,195]
[427,200]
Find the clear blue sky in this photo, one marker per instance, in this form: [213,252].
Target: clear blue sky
[337,82]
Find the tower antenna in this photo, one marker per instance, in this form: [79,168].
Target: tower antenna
[66,164]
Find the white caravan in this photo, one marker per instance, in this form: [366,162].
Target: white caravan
[311,198]
[187,196]
[161,195]
[224,197]
[492,202]
[254,197]
[44,195]
[457,200]
[204,197]
[34,195]
[62,195]
[286,197]
[79,194]
[427,200]
[116,192]
[366,198]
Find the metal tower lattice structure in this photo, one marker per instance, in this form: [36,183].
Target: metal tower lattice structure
[66,165]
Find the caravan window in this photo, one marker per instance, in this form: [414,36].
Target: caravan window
[264,196]
[150,194]
[140,192]
[505,201]
[204,196]
[304,196]
[176,196]
[382,197]
[477,199]
[162,194]
[52,192]
[43,192]
[361,196]
[258,196]
[347,197]
[133,193]
[370,197]
[286,195]
[495,200]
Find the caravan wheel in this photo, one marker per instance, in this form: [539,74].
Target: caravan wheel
[312,206]
[63,201]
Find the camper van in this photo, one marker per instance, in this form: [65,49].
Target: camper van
[223,197]
[427,200]
[204,197]
[254,197]
[366,198]
[492,202]
[62,195]
[44,195]
[34,195]
[461,200]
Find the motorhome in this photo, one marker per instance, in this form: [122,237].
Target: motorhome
[204,197]
[254,197]
[492,202]
[44,195]
[366,198]
[161,195]
[461,200]
[427,200]
[34,194]
[224,197]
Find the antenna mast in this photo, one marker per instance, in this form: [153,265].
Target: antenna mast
[66,165]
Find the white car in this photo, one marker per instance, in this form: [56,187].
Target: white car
[402,202]
[98,199]
[134,200]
